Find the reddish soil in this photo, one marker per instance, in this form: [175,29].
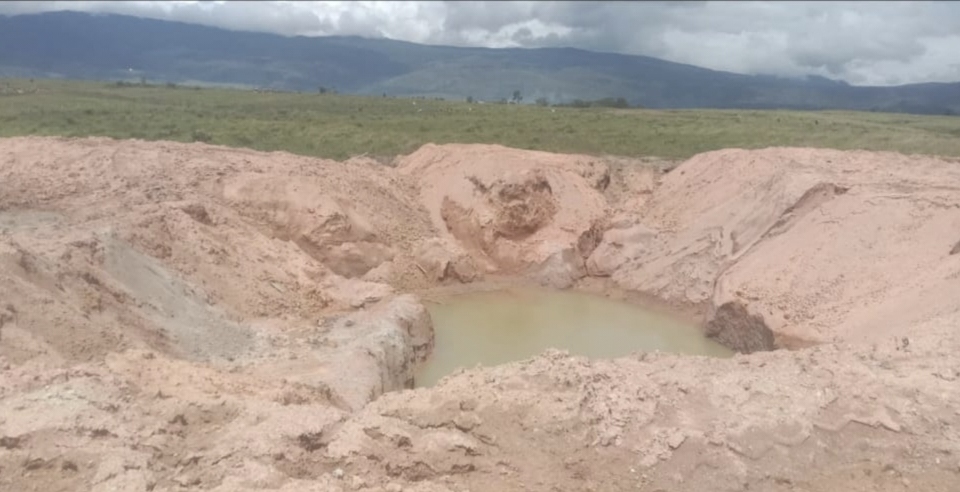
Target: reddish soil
[192,317]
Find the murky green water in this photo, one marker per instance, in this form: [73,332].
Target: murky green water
[490,328]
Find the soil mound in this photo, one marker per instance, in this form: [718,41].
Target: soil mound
[821,244]
[516,212]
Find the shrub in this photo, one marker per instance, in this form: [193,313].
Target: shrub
[201,136]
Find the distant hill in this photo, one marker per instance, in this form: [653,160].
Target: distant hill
[115,47]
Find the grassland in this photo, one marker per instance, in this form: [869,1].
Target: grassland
[338,126]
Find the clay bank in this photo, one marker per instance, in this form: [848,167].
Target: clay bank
[181,316]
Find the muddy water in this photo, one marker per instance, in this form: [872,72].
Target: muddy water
[490,328]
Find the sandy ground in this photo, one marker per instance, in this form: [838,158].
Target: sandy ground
[192,317]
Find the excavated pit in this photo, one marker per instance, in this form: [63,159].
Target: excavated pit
[190,317]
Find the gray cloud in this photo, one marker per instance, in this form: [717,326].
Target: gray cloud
[878,43]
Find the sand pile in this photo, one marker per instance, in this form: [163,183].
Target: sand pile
[187,317]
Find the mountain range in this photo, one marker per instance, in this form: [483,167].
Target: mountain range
[78,45]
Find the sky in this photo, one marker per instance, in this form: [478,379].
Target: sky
[863,43]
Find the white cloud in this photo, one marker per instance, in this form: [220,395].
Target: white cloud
[860,42]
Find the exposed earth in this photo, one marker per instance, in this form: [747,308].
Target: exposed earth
[192,317]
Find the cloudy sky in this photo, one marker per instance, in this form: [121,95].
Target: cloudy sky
[876,43]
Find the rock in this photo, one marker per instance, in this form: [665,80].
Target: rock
[733,325]
[379,352]
[589,240]
[198,212]
[676,439]
[561,269]
[444,260]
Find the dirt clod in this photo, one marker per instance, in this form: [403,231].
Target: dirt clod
[733,326]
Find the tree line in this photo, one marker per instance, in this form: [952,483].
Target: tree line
[606,102]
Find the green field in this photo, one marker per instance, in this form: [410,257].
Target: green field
[339,126]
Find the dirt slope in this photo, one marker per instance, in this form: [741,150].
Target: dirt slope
[823,245]
[191,317]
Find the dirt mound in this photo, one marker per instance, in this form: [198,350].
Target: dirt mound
[303,211]
[191,317]
[820,244]
[513,210]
